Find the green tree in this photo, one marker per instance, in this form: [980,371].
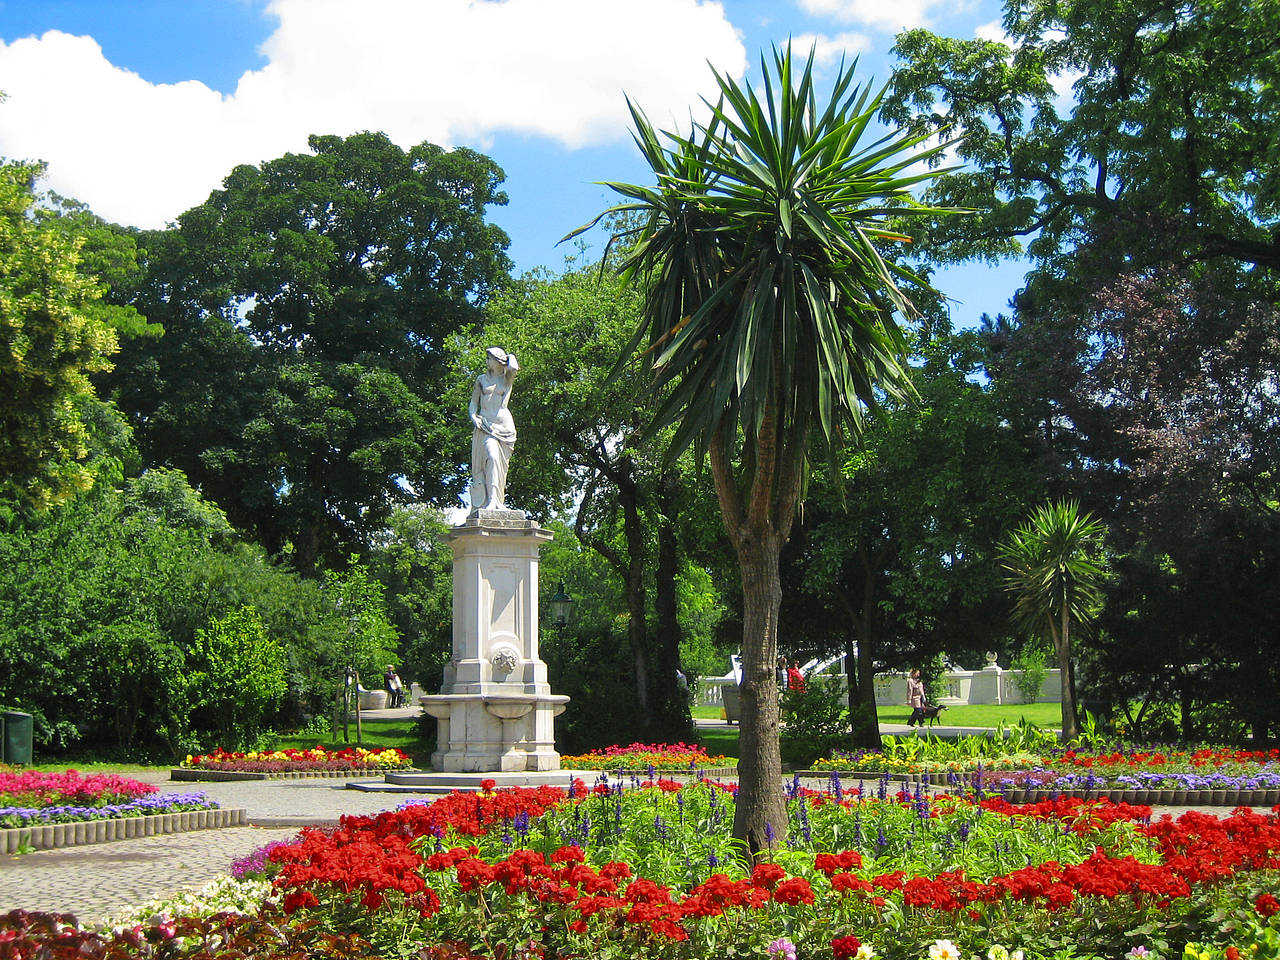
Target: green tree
[366,639]
[307,306]
[1161,142]
[1055,570]
[234,679]
[908,553]
[1114,144]
[413,562]
[769,316]
[51,338]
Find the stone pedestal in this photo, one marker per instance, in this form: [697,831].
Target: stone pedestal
[495,708]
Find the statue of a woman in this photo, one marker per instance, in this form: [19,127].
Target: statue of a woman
[495,433]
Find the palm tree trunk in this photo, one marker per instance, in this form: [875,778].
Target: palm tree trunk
[760,817]
[1062,644]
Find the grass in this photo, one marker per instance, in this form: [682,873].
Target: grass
[1046,715]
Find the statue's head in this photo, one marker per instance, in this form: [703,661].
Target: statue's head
[500,359]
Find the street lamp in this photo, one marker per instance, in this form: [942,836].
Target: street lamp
[561,606]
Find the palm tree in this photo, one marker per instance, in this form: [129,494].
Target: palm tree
[1054,567]
[769,318]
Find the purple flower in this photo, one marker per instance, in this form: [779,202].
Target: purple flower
[782,949]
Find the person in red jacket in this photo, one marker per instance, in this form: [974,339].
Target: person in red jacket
[795,679]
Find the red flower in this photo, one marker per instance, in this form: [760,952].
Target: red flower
[297,899]
[767,875]
[1266,905]
[845,947]
[568,854]
[794,892]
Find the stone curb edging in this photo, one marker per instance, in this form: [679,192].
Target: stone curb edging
[622,773]
[211,776]
[1152,797]
[48,836]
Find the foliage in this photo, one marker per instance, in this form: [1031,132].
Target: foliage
[100,605]
[815,721]
[365,638]
[768,314]
[593,668]
[1031,670]
[288,761]
[414,564]
[51,339]
[651,872]
[232,682]
[308,306]
[46,811]
[1134,162]
[645,756]
[224,895]
[262,935]
[31,788]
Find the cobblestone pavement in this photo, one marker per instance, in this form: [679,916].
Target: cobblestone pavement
[105,879]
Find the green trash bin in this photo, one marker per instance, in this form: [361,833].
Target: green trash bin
[18,728]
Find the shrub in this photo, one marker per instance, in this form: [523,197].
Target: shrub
[1032,663]
[815,721]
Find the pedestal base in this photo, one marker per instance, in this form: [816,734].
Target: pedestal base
[495,732]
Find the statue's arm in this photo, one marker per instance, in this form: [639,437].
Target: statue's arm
[473,408]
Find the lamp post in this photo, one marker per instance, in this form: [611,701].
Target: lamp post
[561,607]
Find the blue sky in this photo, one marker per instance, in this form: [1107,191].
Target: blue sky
[141,107]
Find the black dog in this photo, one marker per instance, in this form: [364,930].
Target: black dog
[932,710]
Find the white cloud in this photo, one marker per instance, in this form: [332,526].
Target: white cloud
[993,32]
[449,71]
[887,15]
[829,49]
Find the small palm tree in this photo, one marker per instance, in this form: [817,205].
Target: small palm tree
[770,320]
[1055,569]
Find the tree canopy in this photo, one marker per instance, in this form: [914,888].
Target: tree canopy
[54,333]
[307,307]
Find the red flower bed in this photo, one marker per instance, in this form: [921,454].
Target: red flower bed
[372,856]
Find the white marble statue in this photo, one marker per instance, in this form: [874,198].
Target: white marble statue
[495,433]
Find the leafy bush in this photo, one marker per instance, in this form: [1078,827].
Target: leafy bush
[1034,667]
[815,721]
[233,681]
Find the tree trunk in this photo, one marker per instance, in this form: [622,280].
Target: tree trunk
[865,723]
[671,715]
[637,627]
[760,817]
[1062,644]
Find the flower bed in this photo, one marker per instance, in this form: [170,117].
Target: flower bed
[39,810]
[29,788]
[355,760]
[1197,777]
[649,757]
[652,872]
[35,799]
[612,872]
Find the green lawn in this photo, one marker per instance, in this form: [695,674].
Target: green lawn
[986,715]
[975,715]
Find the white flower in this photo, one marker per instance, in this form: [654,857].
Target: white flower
[944,950]
[865,952]
[997,952]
